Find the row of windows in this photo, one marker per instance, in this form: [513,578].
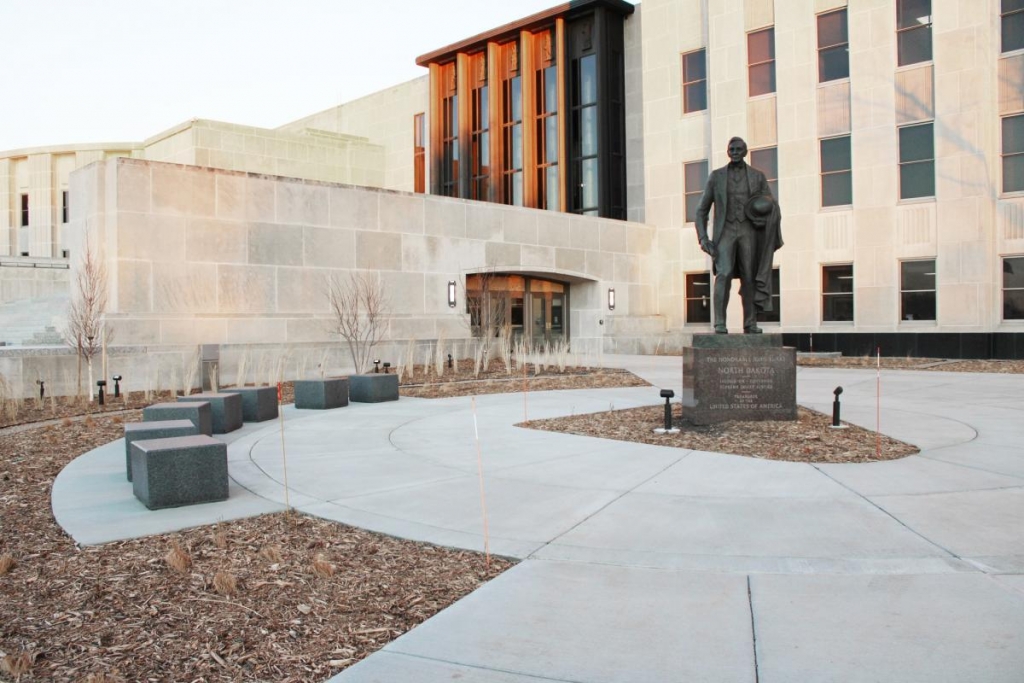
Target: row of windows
[913,46]
[916,166]
[917,293]
[63,209]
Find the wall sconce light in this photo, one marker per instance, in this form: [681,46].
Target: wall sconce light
[451,294]
[611,299]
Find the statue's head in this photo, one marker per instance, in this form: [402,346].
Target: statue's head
[737,150]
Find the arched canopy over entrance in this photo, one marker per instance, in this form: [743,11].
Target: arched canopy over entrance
[532,308]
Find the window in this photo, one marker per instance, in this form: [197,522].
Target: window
[833,47]
[917,161]
[419,156]
[1013,154]
[64,206]
[917,290]
[511,126]
[546,98]
[774,315]
[767,161]
[479,135]
[24,210]
[449,133]
[1013,25]
[695,177]
[761,62]
[698,298]
[836,172]
[913,31]
[695,80]
[584,143]
[1013,288]
[837,293]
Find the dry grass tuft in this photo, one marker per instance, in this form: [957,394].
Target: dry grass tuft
[322,568]
[17,665]
[220,539]
[225,583]
[103,678]
[178,559]
[7,563]
[272,553]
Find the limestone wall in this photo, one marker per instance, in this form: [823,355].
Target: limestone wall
[199,255]
[384,118]
[22,279]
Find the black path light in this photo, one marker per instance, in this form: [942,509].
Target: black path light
[101,383]
[117,385]
[667,394]
[835,409]
[42,388]
[450,360]
[386,367]
[376,366]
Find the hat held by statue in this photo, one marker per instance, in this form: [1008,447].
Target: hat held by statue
[759,209]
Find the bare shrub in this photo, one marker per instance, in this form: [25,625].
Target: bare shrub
[190,371]
[17,665]
[243,367]
[360,314]
[7,563]
[271,553]
[220,539]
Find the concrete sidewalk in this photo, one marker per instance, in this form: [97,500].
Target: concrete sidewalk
[644,563]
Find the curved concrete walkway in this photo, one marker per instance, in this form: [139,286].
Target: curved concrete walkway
[644,563]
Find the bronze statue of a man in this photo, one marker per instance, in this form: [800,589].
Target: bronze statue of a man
[747,231]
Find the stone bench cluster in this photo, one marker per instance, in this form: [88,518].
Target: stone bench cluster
[172,459]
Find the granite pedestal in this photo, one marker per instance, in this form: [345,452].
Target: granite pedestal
[259,404]
[226,409]
[181,470]
[321,394]
[738,377]
[143,431]
[199,412]
[373,388]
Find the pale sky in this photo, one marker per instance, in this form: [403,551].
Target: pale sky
[78,71]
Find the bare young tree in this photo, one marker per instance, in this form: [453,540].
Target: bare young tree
[360,314]
[85,329]
[489,315]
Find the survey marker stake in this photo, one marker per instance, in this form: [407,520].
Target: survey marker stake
[483,498]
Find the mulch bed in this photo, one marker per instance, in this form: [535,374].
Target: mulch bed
[533,379]
[278,598]
[926,364]
[809,438]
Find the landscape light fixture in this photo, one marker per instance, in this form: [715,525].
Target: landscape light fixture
[376,366]
[42,390]
[611,299]
[101,383]
[667,394]
[835,409]
[450,360]
[386,366]
[117,385]
[451,294]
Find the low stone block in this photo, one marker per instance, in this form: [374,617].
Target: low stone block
[142,431]
[226,409]
[181,470]
[198,411]
[373,388]
[321,394]
[258,403]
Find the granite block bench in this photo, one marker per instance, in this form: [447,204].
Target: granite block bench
[198,411]
[142,431]
[180,470]
[372,388]
[258,403]
[226,409]
[321,394]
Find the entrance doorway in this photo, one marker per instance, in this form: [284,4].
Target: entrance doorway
[532,308]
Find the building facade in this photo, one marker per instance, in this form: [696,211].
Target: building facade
[891,131]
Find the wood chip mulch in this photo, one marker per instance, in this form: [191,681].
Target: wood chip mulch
[276,598]
[809,438]
[502,383]
[926,364]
